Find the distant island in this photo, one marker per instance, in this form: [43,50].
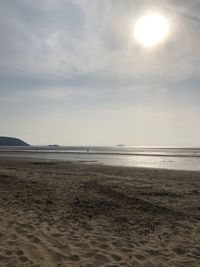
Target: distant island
[120,145]
[11,141]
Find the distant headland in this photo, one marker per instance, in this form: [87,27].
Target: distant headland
[11,141]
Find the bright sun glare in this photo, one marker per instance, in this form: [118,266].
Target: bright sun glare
[151,30]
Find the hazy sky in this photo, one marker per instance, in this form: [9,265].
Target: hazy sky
[72,73]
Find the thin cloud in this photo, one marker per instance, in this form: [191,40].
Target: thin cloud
[82,37]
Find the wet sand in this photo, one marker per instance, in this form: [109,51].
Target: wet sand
[74,214]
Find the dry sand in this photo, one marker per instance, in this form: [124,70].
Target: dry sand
[67,214]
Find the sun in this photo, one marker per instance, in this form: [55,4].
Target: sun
[152,29]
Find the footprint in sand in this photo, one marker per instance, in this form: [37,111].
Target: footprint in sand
[33,239]
[101,259]
[19,252]
[74,258]
[9,252]
[23,259]
[116,257]
[4,259]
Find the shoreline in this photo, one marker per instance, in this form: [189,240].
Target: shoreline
[90,162]
[71,214]
[98,153]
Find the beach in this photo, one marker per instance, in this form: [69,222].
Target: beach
[76,214]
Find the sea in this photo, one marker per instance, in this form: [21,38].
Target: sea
[175,158]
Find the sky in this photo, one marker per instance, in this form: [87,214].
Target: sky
[72,73]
